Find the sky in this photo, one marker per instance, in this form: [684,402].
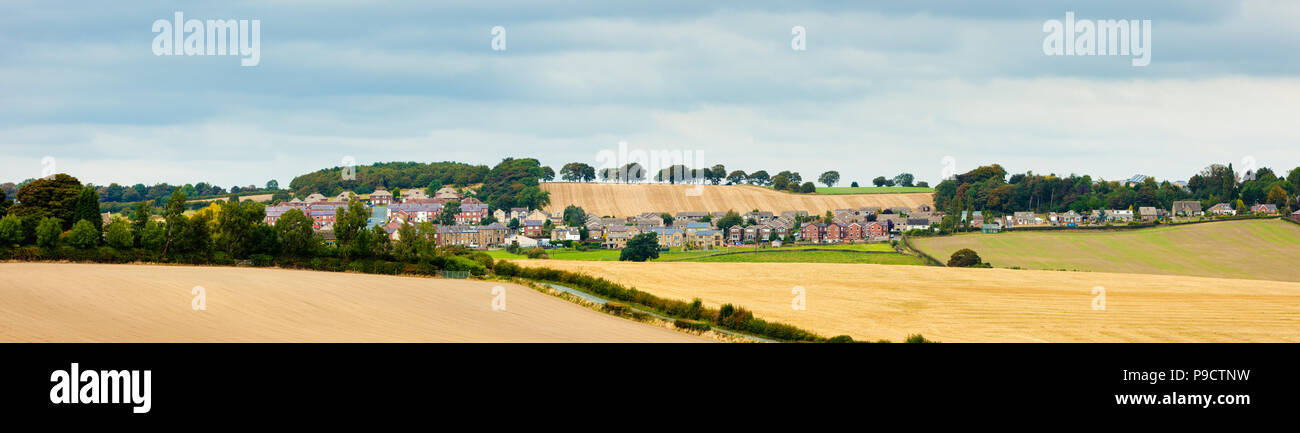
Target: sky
[924,87]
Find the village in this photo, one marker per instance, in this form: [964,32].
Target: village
[476,226]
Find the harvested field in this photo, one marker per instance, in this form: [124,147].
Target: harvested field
[874,302]
[55,302]
[1251,249]
[622,200]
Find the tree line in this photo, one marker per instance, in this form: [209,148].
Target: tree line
[988,188]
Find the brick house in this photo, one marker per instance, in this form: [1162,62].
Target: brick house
[381,198]
[532,228]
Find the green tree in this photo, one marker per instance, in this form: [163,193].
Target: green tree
[88,208]
[237,224]
[449,212]
[640,248]
[55,196]
[1277,196]
[11,230]
[152,236]
[964,258]
[780,182]
[904,179]
[174,215]
[272,184]
[48,231]
[83,235]
[548,174]
[140,215]
[574,216]
[736,177]
[197,237]
[808,187]
[730,219]
[829,178]
[119,235]
[879,181]
[350,221]
[293,228]
[760,178]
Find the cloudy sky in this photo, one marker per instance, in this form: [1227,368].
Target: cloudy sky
[880,89]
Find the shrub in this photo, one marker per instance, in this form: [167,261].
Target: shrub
[536,253]
[83,235]
[119,235]
[964,258]
[840,339]
[48,231]
[692,325]
[11,230]
[917,338]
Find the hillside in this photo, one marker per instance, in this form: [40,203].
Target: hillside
[874,302]
[52,302]
[627,200]
[1252,249]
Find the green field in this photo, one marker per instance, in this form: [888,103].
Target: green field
[787,254]
[1253,249]
[842,190]
[797,256]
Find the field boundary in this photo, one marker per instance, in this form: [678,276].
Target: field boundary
[778,250]
[1133,226]
[925,257]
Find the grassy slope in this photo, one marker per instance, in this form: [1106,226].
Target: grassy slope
[1258,249]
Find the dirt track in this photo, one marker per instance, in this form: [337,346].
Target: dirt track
[52,302]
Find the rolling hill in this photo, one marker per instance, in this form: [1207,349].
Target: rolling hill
[1251,249]
[622,200]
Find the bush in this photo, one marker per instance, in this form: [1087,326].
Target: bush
[536,253]
[964,258]
[692,325]
[917,338]
[840,338]
[48,231]
[83,235]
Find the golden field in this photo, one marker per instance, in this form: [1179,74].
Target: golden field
[1248,249]
[872,302]
[621,200]
[57,302]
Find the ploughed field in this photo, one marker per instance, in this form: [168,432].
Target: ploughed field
[61,302]
[872,302]
[1249,249]
[621,200]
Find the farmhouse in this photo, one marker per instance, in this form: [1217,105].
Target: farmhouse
[704,238]
[1188,208]
[566,234]
[1119,216]
[1025,218]
[524,241]
[1266,209]
[1222,209]
[1147,213]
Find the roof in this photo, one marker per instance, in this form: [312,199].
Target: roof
[381,192]
[692,214]
[1138,178]
[533,222]
[918,221]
